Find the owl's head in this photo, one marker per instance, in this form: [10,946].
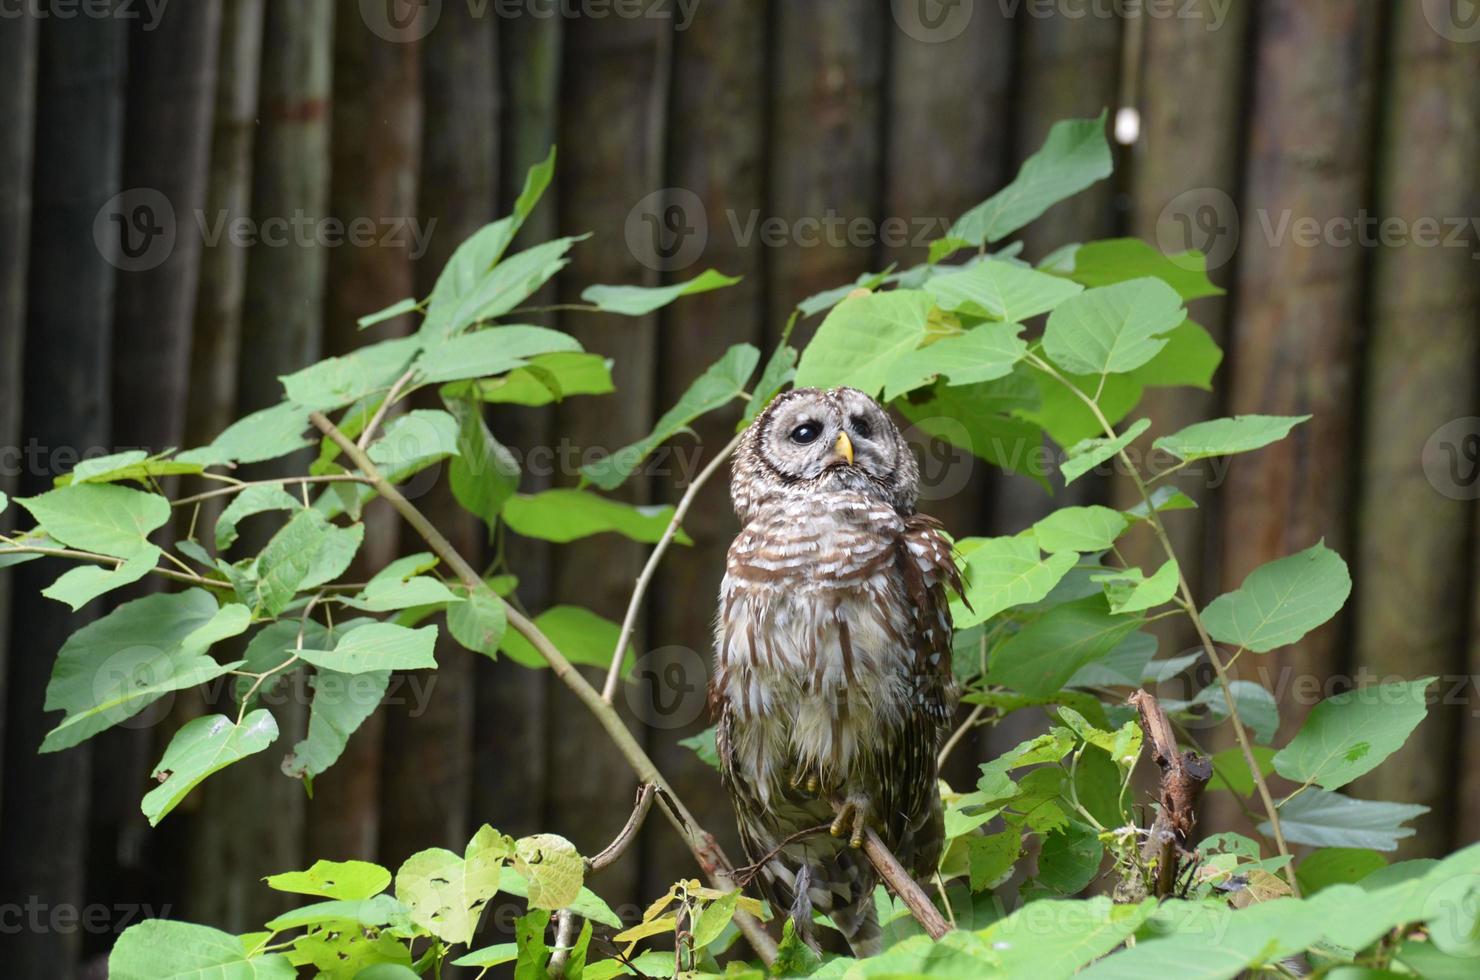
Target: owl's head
[811,441]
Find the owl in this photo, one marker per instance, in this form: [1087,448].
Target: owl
[832,680]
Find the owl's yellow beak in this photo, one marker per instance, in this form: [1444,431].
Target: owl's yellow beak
[844,447]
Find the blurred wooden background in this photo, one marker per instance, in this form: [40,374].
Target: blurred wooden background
[1254,115]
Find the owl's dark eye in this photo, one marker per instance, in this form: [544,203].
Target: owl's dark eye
[805,433]
[861,428]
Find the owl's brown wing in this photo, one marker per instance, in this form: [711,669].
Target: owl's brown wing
[927,570]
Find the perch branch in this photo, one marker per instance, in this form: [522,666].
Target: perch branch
[702,844]
[901,884]
[1183,776]
[629,622]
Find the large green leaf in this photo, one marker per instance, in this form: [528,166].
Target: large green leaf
[1038,659]
[1281,601]
[1000,290]
[720,384]
[1129,590]
[983,353]
[164,949]
[1086,455]
[494,292]
[1081,529]
[547,378]
[483,474]
[263,435]
[577,632]
[1074,156]
[132,465]
[1221,437]
[587,905]
[552,868]
[113,668]
[478,622]
[79,586]
[1324,819]
[253,500]
[306,553]
[974,418]
[1119,259]
[101,517]
[641,300]
[399,586]
[447,893]
[343,880]
[203,746]
[860,340]
[341,703]
[1112,329]
[377,646]
[780,369]
[1056,938]
[1348,735]
[568,515]
[1335,866]
[491,351]
[1004,572]
[1256,707]
[339,381]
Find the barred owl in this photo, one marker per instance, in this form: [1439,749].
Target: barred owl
[832,679]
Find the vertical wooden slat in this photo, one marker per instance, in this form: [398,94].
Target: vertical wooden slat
[826,159]
[719,65]
[948,148]
[1467,826]
[78,149]
[375,152]
[236,845]
[1298,308]
[170,97]
[1410,564]
[1184,172]
[17,123]
[612,119]
[510,757]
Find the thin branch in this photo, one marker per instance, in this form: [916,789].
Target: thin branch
[900,882]
[384,407]
[629,622]
[240,485]
[1190,604]
[628,834]
[959,734]
[702,844]
[11,547]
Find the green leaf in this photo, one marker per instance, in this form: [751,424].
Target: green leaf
[568,515]
[860,340]
[269,650]
[982,353]
[973,418]
[471,296]
[1080,529]
[720,384]
[1189,359]
[398,308]
[133,465]
[1050,938]
[1086,455]
[1074,156]
[306,553]
[100,517]
[488,956]
[1336,865]
[1162,499]
[400,585]
[79,586]
[1323,819]
[381,910]
[529,934]
[1119,259]
[993,856]
[447,893]
[267,434]
[779,371]
[253,500]
[1000,290]
[341,703]
[1231,770]
[552,868]
[113,668]
[1130,591]
[203,746]
[1222,437]
[377,646]
[336,382]
[4,501]
[1350,734]
[1112,329]
[1256,706]
[588,905]
[415,439]
[547,378]
[1042,656]
[345,880]
[478,622]
[483,474]
[580,634]
[1281,601]
[712,920]
[1004,572]
[704,747]
[1069,860]
[491,351]
[641,300]
[164,949]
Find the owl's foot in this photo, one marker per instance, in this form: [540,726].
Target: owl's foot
[807,780]
[854,818]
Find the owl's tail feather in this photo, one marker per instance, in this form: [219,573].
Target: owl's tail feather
[859,924]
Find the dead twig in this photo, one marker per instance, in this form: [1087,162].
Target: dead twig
[904,886]
[1183,776]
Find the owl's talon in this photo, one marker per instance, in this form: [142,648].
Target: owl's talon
[853,819]
[813,784]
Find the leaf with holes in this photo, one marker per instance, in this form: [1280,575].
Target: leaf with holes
[203,746]
[447,893]
[551,867]
[347,880]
